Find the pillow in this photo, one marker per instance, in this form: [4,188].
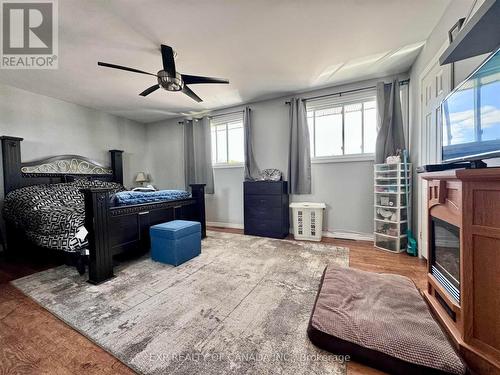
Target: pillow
[92,183]
[380,320]
[270,175]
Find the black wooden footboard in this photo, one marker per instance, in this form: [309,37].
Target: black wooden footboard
[113,230]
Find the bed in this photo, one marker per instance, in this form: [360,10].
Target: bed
[53,202]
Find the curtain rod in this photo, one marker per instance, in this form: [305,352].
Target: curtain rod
[193,119]
[402,83]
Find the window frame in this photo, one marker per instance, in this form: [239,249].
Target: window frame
[226,121]
[335,103]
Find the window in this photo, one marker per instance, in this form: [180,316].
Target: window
[227,139]
[342,126]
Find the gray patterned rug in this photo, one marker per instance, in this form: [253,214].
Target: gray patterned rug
[241,307]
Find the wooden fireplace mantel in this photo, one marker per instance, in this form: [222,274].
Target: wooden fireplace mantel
[470,200]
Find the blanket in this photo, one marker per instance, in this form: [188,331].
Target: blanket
[51,215]
[138,197]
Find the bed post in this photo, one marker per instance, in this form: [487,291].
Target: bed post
[117,165]
[97,224]
[198,193]
[11,157]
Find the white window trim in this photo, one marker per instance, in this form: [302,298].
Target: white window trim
[228,165]
[343,158]
[345,100]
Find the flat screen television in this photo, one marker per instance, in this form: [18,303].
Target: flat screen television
[471,115]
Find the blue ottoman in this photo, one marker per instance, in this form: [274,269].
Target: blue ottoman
[175,242]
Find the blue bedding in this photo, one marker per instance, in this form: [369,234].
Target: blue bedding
[136,197]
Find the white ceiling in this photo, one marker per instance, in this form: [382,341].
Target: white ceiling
[266,48]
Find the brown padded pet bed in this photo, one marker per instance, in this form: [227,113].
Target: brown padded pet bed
[380,320]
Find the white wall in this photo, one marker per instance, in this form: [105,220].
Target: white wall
[166,152]
[54,127]
[437,38]
[346,187]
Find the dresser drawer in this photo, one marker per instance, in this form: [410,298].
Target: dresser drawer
[265,187]
[264,212]
[272,201]
[262,227]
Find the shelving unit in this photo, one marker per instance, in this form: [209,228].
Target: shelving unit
[390,206]
[479,35]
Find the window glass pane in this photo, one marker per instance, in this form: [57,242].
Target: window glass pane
[353,128]
[214,144]
[235,142]
[328,132]
[227,142]
[221,144]
[370,124]
[310,124]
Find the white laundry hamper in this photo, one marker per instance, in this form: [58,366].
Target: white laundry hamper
[307,220]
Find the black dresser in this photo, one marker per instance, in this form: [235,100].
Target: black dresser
[266,208]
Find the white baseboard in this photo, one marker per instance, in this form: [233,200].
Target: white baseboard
[346,235]
[349,236]
[341,235]
[224,225]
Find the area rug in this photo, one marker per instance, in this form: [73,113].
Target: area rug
[241,307]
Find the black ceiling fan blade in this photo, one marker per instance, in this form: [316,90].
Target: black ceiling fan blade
[186,90]
[167,55]
[190,80]
[150,90]
[107,65]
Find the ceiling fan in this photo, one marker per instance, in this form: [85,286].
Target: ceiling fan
[169,78]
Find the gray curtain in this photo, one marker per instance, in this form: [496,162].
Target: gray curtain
[198,154]
[390,136]
[251,168]
[299,157]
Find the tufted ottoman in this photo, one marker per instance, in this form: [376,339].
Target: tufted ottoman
[175,242]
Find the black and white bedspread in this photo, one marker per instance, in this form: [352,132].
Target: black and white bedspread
[52,215]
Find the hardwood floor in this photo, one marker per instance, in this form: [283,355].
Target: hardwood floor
[33,341]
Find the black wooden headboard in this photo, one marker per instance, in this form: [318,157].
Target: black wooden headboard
[55,169]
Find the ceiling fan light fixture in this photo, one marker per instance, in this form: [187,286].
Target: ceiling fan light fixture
[170,83]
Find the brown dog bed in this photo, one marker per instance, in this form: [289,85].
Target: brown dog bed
[380,320]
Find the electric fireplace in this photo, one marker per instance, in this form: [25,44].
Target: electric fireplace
[445,256]
[463,222]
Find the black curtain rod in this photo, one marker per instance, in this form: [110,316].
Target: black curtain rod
[402,83]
